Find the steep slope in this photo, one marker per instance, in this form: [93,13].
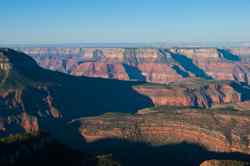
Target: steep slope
[149,64]
[220,130]
[29,93]
[221,64]
[41,149]
[195,93]
[224,163]
[34,99]
[140,64]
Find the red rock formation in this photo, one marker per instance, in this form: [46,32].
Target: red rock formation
[14,101]
[158,73]
[226,71]
[155,64]
[29,123]
[221,132]
[109,63]
[224,163]
[103,70]
[198,53]
[52,109]
[191,93]
[91,69]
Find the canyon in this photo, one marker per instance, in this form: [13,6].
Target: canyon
[194,93]
[157,65]
[216,129]
[159,100]
[29,94]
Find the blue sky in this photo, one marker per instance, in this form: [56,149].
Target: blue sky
[79,21]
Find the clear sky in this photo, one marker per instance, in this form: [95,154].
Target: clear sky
[79,21]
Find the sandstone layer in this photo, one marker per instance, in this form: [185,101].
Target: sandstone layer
[31,96]
[147,64]
[194,92]
[224,163]
[34,99]
[216,130]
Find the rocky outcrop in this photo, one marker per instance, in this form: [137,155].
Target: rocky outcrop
[196,53]
[214,129]
[21,106]
[151,65]
[136,64]
[219,63]
[29,123]
[159,73]
[4,63]
[31,96]
[102,70]
[224,163]
[197,93]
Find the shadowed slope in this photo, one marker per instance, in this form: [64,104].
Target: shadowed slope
[76,96]
[182,154]
[181,72]
[41,149]
[228,55]
[25,149]
[187,64]
[134,73]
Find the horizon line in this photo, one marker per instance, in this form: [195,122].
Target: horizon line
[135,44]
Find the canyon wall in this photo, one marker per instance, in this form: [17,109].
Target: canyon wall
[147,64]
[218,131]
[192,93]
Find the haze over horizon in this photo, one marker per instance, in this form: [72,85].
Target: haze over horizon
[125,82]
[118,21]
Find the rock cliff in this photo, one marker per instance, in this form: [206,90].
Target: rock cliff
[194,92]
[147,64]
[211,113]
[217,130]
[224,163]
[30,95]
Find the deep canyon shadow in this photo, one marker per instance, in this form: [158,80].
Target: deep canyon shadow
[181,72]
[182,154]
[134,73]
[228,55]
[188,64]
[243,89]
[77,97]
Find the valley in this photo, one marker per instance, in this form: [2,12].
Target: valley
[108,101]
[155,65]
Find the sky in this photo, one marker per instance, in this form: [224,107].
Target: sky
[123,21]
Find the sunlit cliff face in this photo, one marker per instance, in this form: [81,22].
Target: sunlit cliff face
[147,64]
